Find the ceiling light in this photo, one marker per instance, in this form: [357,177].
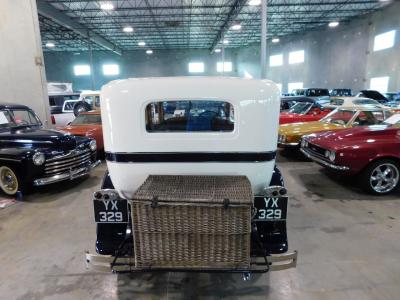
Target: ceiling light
[107,6]
[128,29]
[333,24]
[217,50]
[236,27]
[225,42]
[149,51]
[141,44]
[254,2]
[50,45]
[276,40]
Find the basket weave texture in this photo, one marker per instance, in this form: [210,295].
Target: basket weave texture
[182,222]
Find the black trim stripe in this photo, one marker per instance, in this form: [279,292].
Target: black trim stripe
[160,157]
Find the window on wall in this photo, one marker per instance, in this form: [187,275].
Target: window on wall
[379,84]
[280,87]
[384,40]
[111,69]
[227,66]
[80,70]
[196,67]
[294,86]
[276,60]
[296,57]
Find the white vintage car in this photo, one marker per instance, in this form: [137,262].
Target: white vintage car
[191,126]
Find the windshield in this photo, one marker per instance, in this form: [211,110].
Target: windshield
[317,92]
[365,102]
[18,117]
[300,108]
[86,119]
[298,92]
[337,101]
[393,120]
[341,117]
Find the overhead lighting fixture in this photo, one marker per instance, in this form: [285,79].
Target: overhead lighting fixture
[107,6]
[128,29]
[217,50]
[225,42]
[50,45]
[276,40]
[236,27]
[141,44]
[254,2]
[333,24]
[149,51]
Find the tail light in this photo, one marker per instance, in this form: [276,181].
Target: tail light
[53,120]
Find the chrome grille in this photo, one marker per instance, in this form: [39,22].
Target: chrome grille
[73,160]
[316,150]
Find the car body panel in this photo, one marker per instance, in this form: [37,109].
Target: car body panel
[356,147]
[18,144]
[94,131]
[256,100]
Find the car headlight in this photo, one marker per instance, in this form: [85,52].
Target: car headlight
[93,145]
[327,153]
[38,158]
[332,156]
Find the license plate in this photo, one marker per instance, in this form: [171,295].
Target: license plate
[110,211]
[270,208]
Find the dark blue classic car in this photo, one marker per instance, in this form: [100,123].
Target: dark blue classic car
[31,155]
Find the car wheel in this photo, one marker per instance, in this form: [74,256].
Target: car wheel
[381,177]
[80,107]
[9,182]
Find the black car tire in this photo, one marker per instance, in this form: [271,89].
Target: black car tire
[385,171]
[81,107]
[9,176]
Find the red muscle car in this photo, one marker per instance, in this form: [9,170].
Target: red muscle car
[303,112]
[373,152]
[87,124]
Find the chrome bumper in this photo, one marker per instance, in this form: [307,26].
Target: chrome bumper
[284,145]
[70,175]
[323,162]
[108,263]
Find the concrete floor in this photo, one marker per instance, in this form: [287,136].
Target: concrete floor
[348,245]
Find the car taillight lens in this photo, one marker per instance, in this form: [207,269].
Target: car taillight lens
[53,120]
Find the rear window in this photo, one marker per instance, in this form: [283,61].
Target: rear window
[190,116]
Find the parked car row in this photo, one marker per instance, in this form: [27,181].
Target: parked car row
[359,136]
[325,98]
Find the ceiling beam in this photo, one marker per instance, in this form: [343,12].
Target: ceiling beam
[156,24]
[52,13]
[233,13]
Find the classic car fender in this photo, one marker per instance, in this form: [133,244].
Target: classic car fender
[17,158]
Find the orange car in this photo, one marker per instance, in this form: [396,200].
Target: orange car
[87,124]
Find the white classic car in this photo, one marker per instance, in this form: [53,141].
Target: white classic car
[190,126]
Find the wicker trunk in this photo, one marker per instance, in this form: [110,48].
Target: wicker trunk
[192,222]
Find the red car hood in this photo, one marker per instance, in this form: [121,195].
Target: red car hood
[79,129]
[289,115]
[340,139]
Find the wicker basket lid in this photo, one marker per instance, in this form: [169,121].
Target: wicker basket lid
[196,189]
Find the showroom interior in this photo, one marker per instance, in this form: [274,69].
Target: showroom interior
[200,149]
